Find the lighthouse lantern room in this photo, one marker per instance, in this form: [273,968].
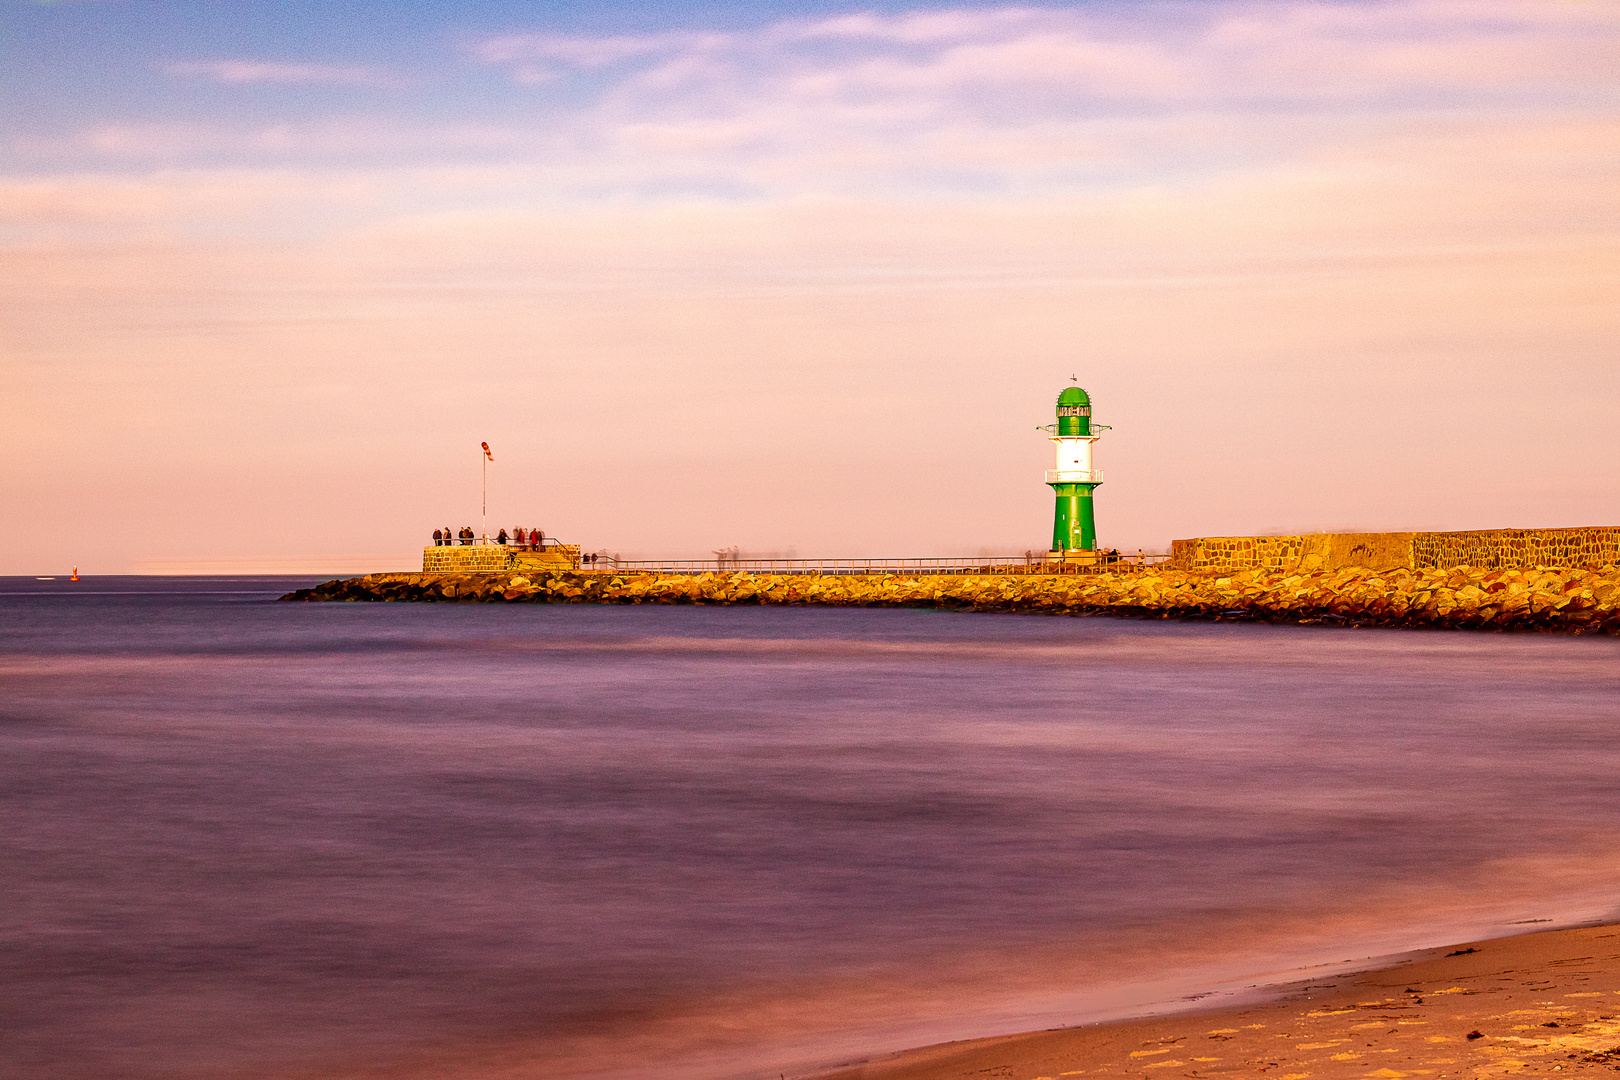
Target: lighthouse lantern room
[1074,524]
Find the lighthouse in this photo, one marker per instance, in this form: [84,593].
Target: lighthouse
[1074,524]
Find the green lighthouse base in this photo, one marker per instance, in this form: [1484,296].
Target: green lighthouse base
[1074,524]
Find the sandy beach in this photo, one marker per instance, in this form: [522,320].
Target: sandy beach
[1533,1003]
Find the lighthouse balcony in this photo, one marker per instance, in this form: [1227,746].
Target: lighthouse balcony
[1074,476]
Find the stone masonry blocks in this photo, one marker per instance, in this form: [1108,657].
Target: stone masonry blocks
[1493,549]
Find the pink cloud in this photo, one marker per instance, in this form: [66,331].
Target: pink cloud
[922,28]
[1168,55]
[588,52]
[245,72]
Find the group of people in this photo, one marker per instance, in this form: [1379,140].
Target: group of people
[445,538]
[528,539]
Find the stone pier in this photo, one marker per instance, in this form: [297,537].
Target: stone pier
[460,558]
[1490,549]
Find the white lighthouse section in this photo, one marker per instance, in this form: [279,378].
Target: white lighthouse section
[1074,461]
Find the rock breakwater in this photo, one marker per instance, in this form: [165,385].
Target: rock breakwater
[1535,598]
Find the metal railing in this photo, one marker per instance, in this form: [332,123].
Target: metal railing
[1075,562]
[1074,476]
[1034,562]
[490,541]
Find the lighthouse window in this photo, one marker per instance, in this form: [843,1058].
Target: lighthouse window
[1074,410]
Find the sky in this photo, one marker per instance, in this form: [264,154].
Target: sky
[801,278]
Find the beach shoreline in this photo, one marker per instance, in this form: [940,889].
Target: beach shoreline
[1541,1001]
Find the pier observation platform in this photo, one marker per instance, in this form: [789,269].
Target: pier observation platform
[483,555]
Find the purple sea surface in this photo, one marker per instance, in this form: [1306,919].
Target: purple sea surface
[251,839]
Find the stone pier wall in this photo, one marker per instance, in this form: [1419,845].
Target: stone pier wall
[497,559]
[1493,549]
[1505,548]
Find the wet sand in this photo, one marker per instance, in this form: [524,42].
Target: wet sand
[1531,1004]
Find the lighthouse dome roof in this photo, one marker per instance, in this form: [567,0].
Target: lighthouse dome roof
[1073,395]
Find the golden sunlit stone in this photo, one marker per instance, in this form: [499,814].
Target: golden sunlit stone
[1462,597]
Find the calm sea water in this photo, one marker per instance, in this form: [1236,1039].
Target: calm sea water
[243,838]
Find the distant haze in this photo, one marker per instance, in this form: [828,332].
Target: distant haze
[725,275]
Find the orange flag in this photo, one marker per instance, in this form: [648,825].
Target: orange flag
[486,451]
